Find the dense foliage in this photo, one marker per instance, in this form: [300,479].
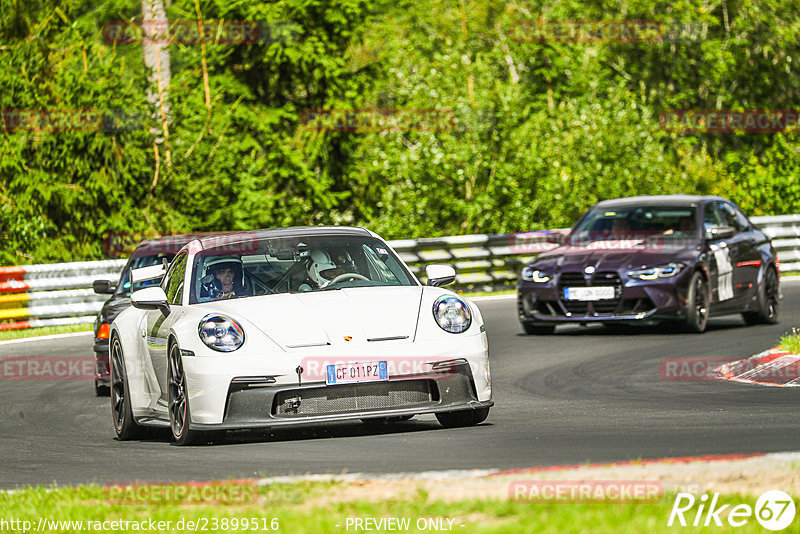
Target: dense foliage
[532,133]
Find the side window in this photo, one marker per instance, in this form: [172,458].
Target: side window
[173,281]
[711,216]
[742,218]
[731,218]
[378,266]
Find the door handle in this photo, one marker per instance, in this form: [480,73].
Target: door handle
[144,332]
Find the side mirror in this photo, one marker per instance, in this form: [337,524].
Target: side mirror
[720,232]
[440,275]
[154,272]
[104,287]
[150,298]
[556,239]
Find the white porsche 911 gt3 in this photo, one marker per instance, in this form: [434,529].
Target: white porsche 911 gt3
[279,327]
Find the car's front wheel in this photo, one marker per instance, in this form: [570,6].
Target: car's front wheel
[462,417]
[124,423]
[179,412]
[768,301]
[698,300]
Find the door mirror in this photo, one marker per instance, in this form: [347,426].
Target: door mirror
[150,298]
[720,232]
[104,287]
[440,275]
[556,239]
[154,272]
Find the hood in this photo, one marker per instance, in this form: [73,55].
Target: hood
[611,257]
[305,320]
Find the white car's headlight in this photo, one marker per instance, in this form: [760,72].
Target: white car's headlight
[532,274]
[659,271]
[452,314]
[220,332]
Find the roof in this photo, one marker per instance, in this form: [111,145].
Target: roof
[169,244]
[271,233]
[657,200]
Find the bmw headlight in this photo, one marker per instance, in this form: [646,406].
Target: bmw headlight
[452,314]
[660,271]
[221,333]
[532,274]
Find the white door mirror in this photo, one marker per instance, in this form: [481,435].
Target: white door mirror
[148,273]
[150,298]
[440,275]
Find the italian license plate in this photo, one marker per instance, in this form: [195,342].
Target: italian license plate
[347,373]
[589,293]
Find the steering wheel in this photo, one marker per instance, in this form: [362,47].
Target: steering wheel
[346,276]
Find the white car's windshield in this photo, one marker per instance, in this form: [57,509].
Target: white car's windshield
[295,265]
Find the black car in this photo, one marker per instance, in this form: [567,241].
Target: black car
[653,258]
[149,252]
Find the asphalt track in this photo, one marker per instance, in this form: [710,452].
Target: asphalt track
[581,395]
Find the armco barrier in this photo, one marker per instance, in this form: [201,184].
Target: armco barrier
[50,294]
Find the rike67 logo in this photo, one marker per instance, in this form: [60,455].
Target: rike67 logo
[774,510]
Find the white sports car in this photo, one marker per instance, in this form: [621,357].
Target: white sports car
[298,325]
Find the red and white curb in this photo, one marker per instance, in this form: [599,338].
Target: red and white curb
[773,367]
[486,473]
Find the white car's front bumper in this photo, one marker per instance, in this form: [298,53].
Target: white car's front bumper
[227,391]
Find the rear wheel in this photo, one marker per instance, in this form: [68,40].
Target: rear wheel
[698,300]
[179,412]
[768,301]
[538,330]
[462,417]
[124,424]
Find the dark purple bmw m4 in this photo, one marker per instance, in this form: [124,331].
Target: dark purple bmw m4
[647,259]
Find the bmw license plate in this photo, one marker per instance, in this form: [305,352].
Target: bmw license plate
[589,293]
[346,373]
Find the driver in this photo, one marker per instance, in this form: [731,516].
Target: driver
[325,266]
[224,278]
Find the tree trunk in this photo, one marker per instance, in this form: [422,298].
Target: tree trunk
[155,38]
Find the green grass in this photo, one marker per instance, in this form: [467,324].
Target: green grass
[791,343]
[45,331]
[306,507]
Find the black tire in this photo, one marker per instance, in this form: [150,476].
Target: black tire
[698,300]
[121,413]
[768,301]
[101,390]
[462,417]
[180,414]
[538,330]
